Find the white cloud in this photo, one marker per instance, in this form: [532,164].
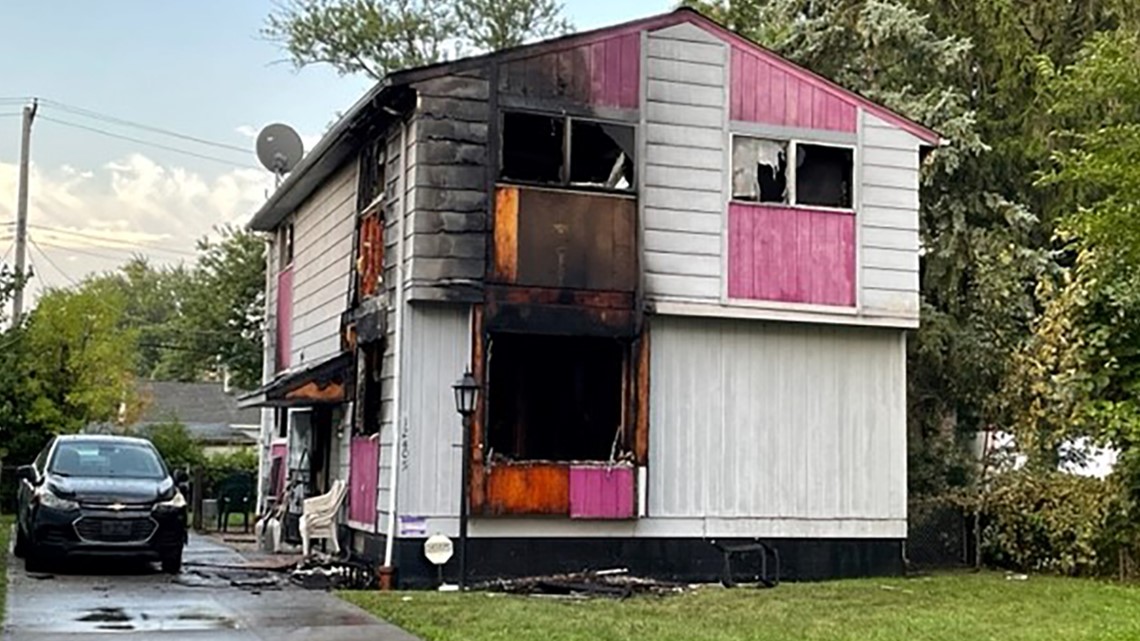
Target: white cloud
[92,219]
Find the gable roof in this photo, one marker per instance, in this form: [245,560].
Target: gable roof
[197,403]
[338,144]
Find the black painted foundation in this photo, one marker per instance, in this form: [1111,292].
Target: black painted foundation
[689,560]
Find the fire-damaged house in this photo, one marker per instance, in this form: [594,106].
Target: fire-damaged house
[682,270]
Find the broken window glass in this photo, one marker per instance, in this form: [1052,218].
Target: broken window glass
[824,176]
[759,170]
[601,155]
[533,148]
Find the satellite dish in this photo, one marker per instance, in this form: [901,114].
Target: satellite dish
[279,148]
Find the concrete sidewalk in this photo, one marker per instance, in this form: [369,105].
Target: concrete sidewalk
[135,601]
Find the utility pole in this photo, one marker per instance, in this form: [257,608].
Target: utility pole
[22,212]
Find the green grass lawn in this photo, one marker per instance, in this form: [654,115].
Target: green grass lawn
[954,607]
[5,535]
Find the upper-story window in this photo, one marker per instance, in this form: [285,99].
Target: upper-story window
[567,151]
[821,176]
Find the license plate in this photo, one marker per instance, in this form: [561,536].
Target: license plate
[115,529]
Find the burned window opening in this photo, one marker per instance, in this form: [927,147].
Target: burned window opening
[601,155]
[282,420]
[759,170]
[370,387]
[563,151]
[556,398]
[371,181]
[824,176]
[533,147]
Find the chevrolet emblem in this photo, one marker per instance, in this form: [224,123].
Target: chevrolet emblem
[118,507]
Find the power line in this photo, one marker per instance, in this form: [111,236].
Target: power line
[88,253]
[51,262]
[95,115]
[132,244]
[147,142]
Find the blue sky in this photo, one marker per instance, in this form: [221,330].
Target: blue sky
[199,68]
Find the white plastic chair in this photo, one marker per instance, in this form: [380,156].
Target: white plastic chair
[318,517]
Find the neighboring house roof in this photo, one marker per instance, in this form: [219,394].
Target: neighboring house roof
[203,403]
[211,415]
[379,103]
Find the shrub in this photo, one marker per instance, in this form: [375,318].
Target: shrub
[1051,522]
[173,441]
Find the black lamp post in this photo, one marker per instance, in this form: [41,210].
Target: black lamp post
[466,395]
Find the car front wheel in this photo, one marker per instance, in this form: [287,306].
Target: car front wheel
[34,559]
[20,549]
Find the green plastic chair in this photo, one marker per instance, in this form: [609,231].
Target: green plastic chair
[235,496]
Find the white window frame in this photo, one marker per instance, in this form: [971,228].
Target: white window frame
[790,173]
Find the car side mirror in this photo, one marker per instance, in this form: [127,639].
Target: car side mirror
[27,473]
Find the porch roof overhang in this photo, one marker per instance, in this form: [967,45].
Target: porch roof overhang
[322,382]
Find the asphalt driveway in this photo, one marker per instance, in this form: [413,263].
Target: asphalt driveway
[134,601]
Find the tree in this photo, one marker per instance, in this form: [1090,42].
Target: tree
[153,299]
[78,362]
[377,37]
[222,312]
[1078,376]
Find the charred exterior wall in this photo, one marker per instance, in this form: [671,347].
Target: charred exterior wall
[449,192]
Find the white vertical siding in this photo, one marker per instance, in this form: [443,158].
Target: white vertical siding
[888,219]
[398,185]
[685,114]
[777,421]
[437,350]
[322,252]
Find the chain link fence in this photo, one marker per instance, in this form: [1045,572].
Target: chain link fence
[940,535]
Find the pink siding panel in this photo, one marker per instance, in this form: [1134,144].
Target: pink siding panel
[778,99]
[767,89]
[364,476]
[630,70]
[284,318]
[601,492]
[791,255]
[597,62]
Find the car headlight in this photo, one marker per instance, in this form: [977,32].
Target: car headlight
[53,501]
[176,502]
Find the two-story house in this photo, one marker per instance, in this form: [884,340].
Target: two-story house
[681,267]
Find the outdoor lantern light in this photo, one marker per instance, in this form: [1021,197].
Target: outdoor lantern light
[466,390]
[466,393]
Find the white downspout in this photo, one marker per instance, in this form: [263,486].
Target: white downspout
[267,347]
[397,409]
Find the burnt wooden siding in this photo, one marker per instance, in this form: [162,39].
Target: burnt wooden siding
[684,122]
[448,228]
[603,72]
[564,240]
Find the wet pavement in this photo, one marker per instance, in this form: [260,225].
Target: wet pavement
[212,599]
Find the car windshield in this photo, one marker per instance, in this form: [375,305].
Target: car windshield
[107,459]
